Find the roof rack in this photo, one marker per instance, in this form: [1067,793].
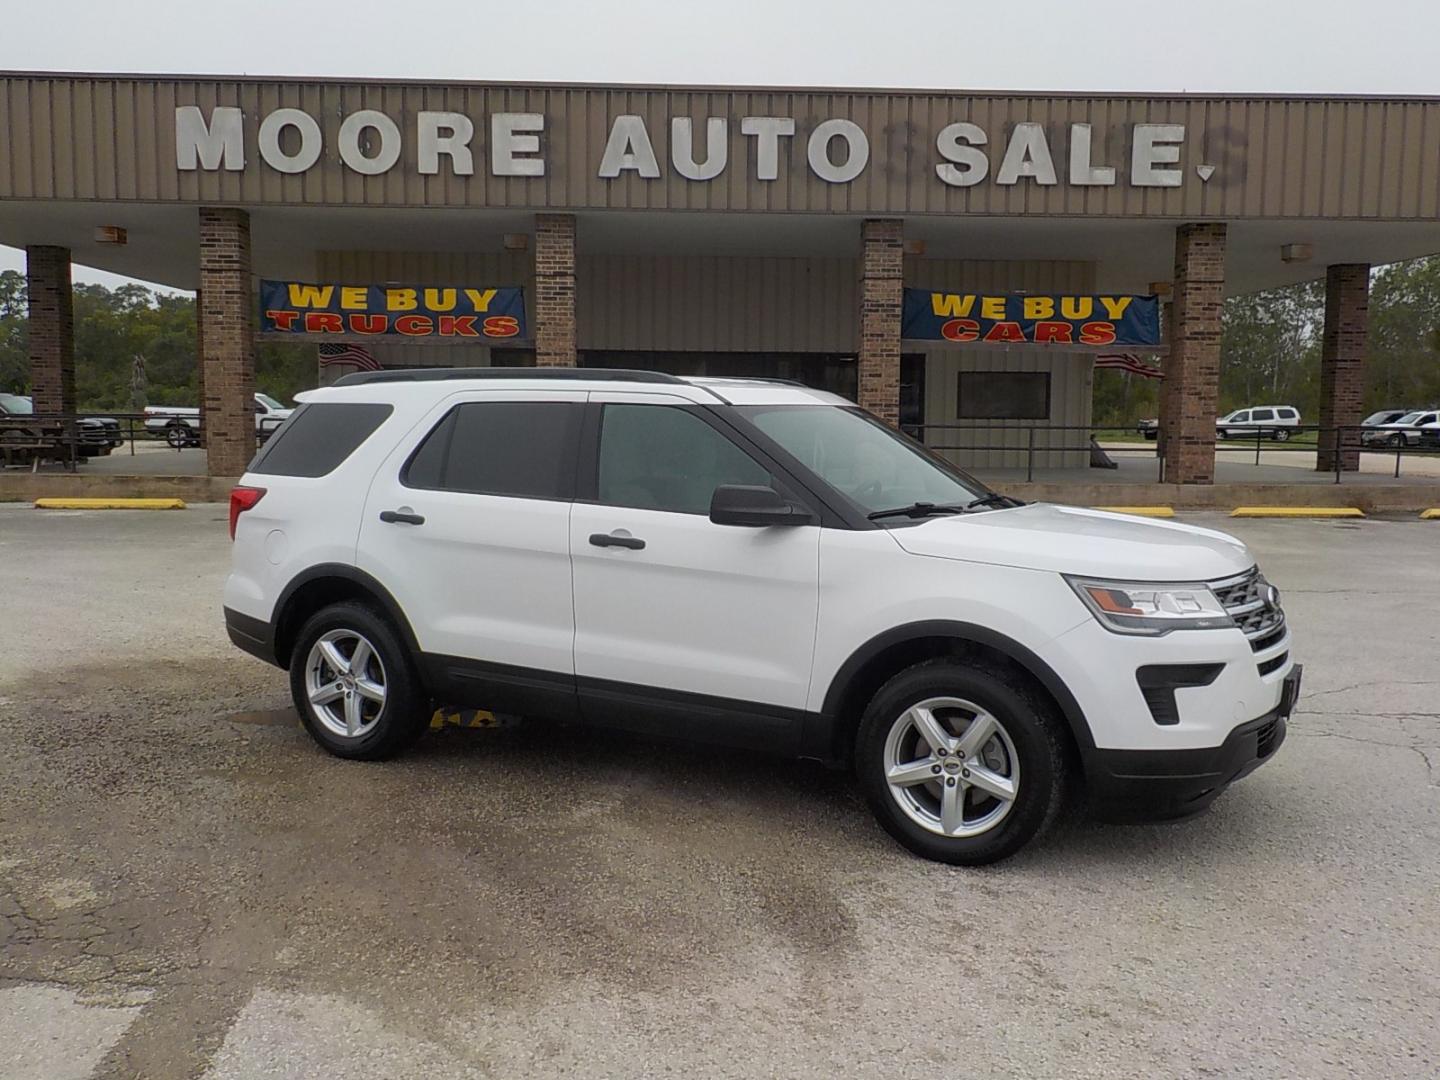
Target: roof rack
[553,374]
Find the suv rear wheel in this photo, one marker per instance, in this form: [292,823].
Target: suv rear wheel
[961,764]
[353,685]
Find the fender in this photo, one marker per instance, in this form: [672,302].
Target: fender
[976,635]
[355,576]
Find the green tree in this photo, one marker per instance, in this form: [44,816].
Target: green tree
[1402,362]
[14,321]
[1270,348]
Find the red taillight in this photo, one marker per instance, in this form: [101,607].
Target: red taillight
[242,499]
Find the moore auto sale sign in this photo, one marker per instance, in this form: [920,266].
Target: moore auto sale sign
[837,150]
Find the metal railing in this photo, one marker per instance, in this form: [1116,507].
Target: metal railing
[33,439]
[1332,445]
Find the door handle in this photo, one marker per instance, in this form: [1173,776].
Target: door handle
[401,517]
[610,540]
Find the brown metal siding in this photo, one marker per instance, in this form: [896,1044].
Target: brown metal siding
[82,137]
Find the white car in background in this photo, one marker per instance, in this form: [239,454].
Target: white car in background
[1409,430]
[1270,421]
[180,425]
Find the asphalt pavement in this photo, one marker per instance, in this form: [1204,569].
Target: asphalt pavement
[189,888]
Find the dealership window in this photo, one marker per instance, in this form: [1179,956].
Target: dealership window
[518,448]
[1004,395]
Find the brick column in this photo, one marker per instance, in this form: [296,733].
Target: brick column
[200,360]
[1342,362]
[226,304]
[52,329]
[880,291]
[1192,375]
[1163,405]
[555,290]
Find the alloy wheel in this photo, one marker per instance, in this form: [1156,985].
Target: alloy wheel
[345,683]
[951,767]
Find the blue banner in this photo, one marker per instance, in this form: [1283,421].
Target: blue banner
[1025,319]
[444,311]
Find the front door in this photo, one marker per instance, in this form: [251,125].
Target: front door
[681,625]
[467,524]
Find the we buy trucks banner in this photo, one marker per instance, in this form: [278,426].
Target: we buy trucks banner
[1026,319]
[444,311]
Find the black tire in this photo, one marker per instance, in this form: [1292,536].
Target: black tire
[1152,435]
[178,436]
[1221,434]
[1281,435]
[1038,735]
[405,713]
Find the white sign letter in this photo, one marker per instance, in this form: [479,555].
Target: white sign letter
[350,151]
[223,139]
[1081,171]
[957,144]
[682,148]
[455,142]
[856,156]
[629,148]
[311,142]
[767,131]
[1027,155]
[510,134]
[1156,144]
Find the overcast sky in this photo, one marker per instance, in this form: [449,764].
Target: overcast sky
[1201,46]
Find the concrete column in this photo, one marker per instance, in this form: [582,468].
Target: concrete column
[227,305]
[1342,362]
[555,290]
[1192,376]
[52,329]
[881,260]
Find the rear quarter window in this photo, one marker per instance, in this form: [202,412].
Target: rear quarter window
[318,438]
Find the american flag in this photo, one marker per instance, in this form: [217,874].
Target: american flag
[353,355]
[1128,362]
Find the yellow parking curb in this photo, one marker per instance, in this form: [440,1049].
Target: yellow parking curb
[110,504]
[466,718]
[1141,511]
[1433,514]
[1298,511]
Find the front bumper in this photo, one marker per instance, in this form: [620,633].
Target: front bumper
[1155,785]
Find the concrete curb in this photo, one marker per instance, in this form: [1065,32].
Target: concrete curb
[109,504]
[1432,514]
[1297,512]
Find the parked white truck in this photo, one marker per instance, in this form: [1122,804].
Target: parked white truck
[180,425]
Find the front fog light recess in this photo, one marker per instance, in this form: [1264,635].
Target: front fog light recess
[1143,607]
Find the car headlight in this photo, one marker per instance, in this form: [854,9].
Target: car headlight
[1143,607]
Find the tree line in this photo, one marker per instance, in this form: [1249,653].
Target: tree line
[1269,353]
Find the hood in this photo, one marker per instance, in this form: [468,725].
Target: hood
[1071,540]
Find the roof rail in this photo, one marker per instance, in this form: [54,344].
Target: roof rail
[555,374]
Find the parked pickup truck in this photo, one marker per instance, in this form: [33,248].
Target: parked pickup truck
[180,425]
[95,436]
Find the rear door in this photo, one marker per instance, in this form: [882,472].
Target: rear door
[682,625]
[467,524]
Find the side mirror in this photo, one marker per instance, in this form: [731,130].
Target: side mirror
[755,506]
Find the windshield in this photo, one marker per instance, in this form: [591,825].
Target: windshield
[1408,418]
[16,405]
[875,466]
[268,401]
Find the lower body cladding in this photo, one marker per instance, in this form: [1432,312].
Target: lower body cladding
[1143,759]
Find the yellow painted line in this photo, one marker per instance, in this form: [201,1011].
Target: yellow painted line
[1433,514]
[1141,511]
[1297,512]
[110,504]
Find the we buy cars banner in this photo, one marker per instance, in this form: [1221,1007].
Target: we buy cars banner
[1025,319]
[294,307]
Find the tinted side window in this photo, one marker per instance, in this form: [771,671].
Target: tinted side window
[1240,418]
[1287,414]
[518,448]
[656,457]
[1263,414]
[318,437]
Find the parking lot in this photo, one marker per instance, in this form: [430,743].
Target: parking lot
[190,888]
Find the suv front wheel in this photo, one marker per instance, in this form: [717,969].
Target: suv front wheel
[962,764]
[353,685]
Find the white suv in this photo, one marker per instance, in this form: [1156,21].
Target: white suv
[1267,421]
[752,563]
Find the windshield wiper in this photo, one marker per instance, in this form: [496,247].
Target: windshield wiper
[916,510]
[994,499]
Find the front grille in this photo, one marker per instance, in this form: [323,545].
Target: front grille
[1247,599]
[1265,739]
